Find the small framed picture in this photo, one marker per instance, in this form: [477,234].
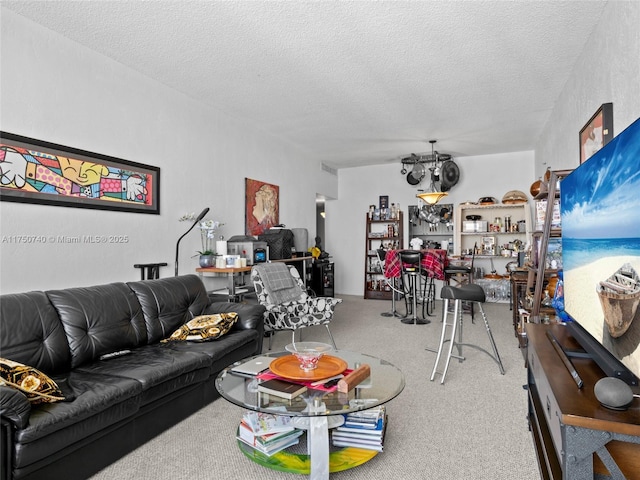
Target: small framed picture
[384,201]
[597,132]
[488,245]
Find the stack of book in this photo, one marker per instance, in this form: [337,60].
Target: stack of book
[267,433]
[281,388]
[364,429]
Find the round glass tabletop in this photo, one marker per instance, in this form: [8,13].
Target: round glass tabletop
[385,383]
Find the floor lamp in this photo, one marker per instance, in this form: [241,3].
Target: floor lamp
[196,221]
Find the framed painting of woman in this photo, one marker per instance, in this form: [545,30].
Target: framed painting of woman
[262,206]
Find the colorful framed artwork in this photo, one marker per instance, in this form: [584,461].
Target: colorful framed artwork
[597,132]
[34,171]
[262,206]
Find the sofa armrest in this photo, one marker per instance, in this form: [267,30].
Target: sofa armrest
[6,449]
[249,316]
[14,407]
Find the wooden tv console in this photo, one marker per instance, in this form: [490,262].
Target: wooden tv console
[574,436]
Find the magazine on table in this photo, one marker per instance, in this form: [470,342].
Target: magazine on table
[275,447]
[247,434]
[265,423]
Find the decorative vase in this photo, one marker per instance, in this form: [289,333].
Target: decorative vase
[207,235]
[207,261]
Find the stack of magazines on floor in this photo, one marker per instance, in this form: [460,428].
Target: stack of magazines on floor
[267,433]
[363,429]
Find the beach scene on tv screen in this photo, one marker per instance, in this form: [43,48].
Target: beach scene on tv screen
[600,204]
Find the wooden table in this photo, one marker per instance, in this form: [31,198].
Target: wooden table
[574,435]
[232,272]
[432,260]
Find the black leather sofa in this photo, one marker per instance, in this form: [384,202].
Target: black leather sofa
[119,403]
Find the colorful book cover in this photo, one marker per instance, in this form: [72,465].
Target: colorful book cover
[265,423]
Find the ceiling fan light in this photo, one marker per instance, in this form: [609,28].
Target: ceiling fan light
[431,198]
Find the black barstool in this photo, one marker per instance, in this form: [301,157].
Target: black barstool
[460,275]
[428,293]
[470,293]
[149,271]
[381,253]
[411,273]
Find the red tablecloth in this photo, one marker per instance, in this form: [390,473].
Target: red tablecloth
[433,261]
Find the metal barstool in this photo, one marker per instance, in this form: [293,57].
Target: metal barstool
[411,273]
[470,293]
[461,275]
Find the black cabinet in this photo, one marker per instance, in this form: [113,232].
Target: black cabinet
[322,279]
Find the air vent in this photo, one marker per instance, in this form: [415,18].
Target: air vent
[330,170]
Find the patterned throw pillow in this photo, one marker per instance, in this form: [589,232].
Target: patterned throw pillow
[33,383]
[205,327]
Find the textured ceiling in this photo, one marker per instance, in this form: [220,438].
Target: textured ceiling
[350,83]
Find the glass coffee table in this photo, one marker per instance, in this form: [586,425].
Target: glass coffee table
[316,410]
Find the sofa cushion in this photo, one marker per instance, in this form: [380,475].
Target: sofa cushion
[101,401]
[159,369]
[37,386]
[168,303]
[98,320]
[31,332]
[204,328]
[222,347]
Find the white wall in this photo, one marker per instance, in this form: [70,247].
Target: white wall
[607,71]
[57,91]
[480,176]
[54,90]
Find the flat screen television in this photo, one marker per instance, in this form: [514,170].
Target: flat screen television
[600,205]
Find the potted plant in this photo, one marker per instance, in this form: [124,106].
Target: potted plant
[207,258]
[207,235]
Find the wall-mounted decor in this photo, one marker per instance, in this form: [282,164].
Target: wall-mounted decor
[597,132]
[33,171]
[262,206]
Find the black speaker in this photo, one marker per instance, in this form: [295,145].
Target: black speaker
[613,393]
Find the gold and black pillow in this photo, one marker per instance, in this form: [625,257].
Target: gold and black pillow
[204,328]
[38,387]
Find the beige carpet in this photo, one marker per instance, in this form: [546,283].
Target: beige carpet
[472,427]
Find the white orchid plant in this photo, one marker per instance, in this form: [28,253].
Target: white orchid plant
[207,232]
